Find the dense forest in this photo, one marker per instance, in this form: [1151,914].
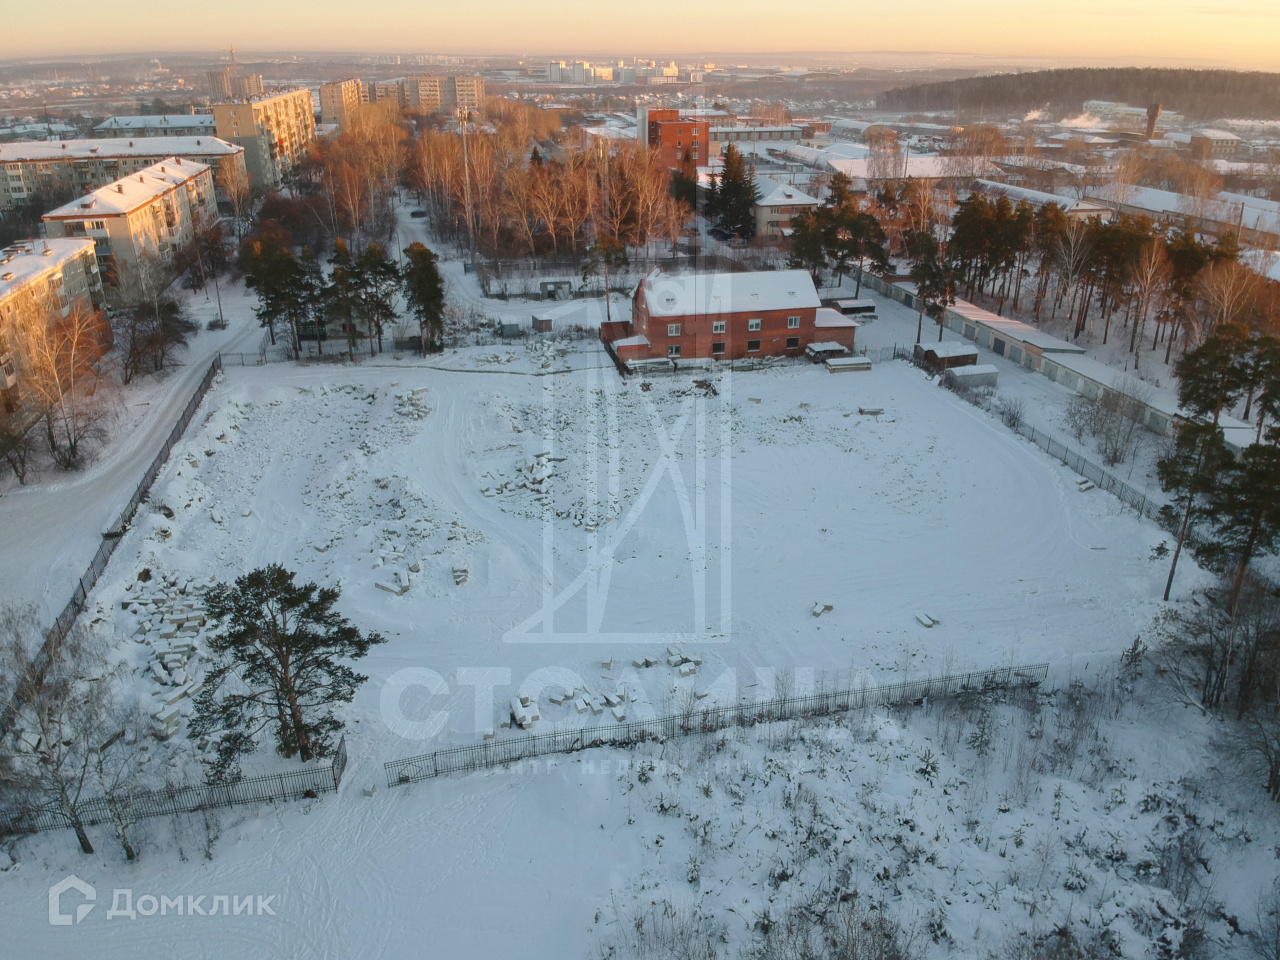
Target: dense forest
[1197,94]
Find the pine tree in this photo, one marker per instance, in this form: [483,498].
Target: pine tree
[276,649]
[605,254]
[684,182]
[809,242]
[310,293]
[736,196]
[271,274]
[379,279]
[1243,510]
[341,294]
[424,292]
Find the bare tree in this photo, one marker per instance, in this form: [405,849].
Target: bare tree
[233,181]
[60,719]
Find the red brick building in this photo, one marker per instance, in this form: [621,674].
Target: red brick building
[725,316]
[671,136]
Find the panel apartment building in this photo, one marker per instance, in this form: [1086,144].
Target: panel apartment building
[163,125]
[39,280]
[145,215]
[275,131]
[68,168]
[338,101]
[442,94]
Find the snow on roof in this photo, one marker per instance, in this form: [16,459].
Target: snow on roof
[129,193]
[1013,329]
[826,346]
[776,194]
[116,147]
[949,349]
[22,263]
[974,370]
[1236,208]
[927,168]
[828,318]
[1037,198]
[639,340]
[1214,134]
[185,120]
[715,293]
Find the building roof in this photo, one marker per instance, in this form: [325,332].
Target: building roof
[1038,198]
[1228,208]
[24,262]
[185,120]
[1213,134]
[925,168]
[1013,329]
[949,348]
[714,293]
[776,194]
[116,147]
[827,318]
[129,193]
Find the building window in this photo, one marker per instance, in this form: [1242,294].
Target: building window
[753,346]
[717,346]
[673,350]
[793,323]
[793,343]
[753,324]
[717,326]
[673,329]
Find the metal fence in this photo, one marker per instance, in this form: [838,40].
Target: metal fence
[111,537]
[131,807]
[496,752]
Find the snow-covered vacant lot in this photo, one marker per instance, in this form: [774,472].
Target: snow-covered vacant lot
[524,523]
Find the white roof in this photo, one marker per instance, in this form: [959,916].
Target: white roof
[976,369]
[129,193]
[1213,134]
[827,318]
[1038,198]
[185,120]
[24,262]
[826,346]
[927,168]
[1229,208]
[1013,329]
[949,348]
[639,340]
[715,293]
[775,194]
[116,147]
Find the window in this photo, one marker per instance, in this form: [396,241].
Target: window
[673,350]
[793,323]
[717,326]
[753,346]
[717,347]
[673,329]
[793,343]
[753,324]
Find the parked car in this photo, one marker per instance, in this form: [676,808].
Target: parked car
[718,234]
[417,214]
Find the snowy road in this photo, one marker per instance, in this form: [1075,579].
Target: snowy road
[53,529]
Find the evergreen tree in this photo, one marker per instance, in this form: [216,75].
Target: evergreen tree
[684,182]
[271,274]
[736,196]
[424,292]
[379,278]
[605,254]
[809,244]
[341,294]
[935,280]
[277,650]
[311,296]
[1243,510]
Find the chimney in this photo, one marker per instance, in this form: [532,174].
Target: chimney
[119,188]
[1153,114]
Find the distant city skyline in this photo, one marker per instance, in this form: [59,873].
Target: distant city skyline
[1236,33]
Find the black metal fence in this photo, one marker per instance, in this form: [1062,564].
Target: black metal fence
[66,619]
[129,807]
[705,720]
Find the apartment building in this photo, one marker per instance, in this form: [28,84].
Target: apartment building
[164,125]
[338,101]
[40,279]
[671,135]
[443,94]
[58,170]
[275,131]
[142,217]
[229,84]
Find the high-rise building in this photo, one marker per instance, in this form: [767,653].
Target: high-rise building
[230,83]
[49,171]
[139,221]
[275,132]
[443,94]
[338,100]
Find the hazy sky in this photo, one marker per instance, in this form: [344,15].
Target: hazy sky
[1240,33]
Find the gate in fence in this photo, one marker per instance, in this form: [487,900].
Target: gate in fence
[492,753]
